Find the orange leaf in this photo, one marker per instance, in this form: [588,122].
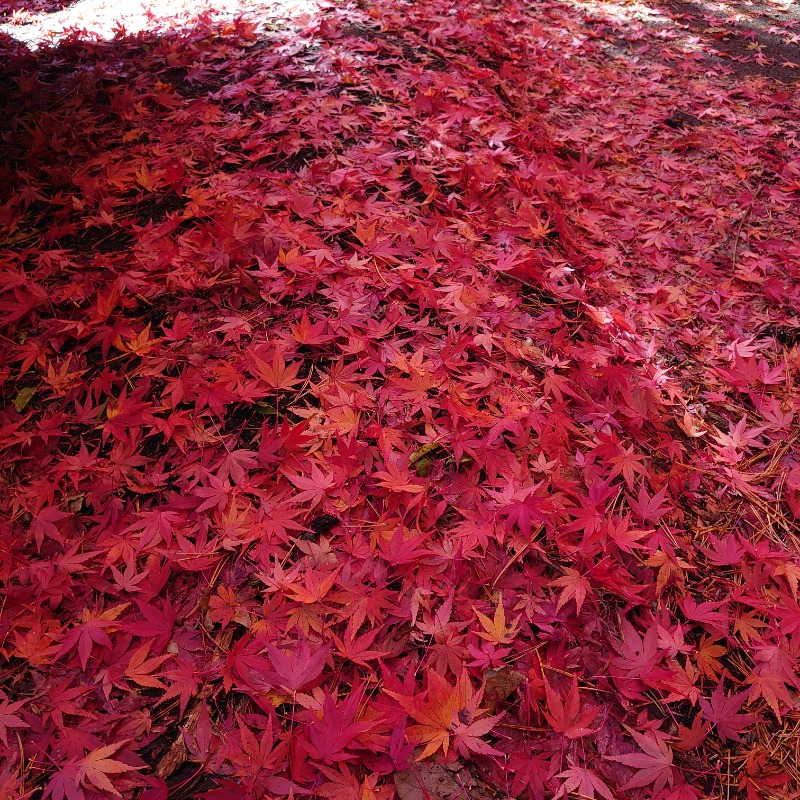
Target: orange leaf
[95,767]
[496,629]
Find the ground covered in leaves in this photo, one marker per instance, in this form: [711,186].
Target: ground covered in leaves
[402,402]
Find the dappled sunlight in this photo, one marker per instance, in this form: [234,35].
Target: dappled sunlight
[755,38]
[621,12]
[105,19]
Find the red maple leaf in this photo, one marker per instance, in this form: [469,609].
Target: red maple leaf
[277,375]
[93,771]
[331,734]
[653,764]
[576,587]
[9,717]
[650,509]
[313,488]
[722,710]
[90,631]
[566,716]
[585,782]
[299,668]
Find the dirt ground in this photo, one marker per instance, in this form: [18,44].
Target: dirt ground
[757,37]
[753,38]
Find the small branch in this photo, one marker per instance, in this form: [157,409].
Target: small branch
[741,223]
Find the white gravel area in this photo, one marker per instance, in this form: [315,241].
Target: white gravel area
[105,19]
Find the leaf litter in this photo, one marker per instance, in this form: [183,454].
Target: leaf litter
[402,403]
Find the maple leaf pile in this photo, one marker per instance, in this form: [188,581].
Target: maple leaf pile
[406,406]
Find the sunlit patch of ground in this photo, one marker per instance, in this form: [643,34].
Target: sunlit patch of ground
[622,12]
[104,19]
[752,38]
